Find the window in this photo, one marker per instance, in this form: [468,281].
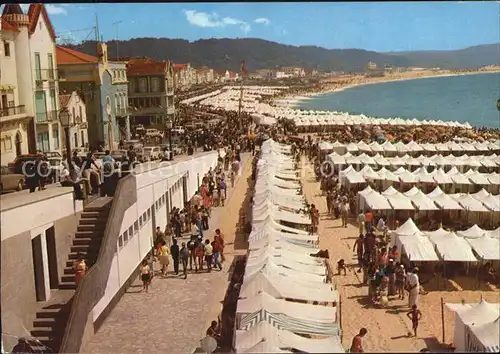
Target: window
[136,226]
[120,241]
[6,48]
[125,236]
[83,138]
[80,112]
[140,221]
[143,85]
[144,218]
[6,143]
[55,136]
[149,214]
[155,84]
[131,231]
[73,113]
[114,74]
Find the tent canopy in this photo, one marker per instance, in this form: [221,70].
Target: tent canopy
[417,247]
[488,248]
[452,248]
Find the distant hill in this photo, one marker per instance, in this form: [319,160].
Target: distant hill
[261,54]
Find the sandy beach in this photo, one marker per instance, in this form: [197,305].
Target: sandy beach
[388,327]
[344,82]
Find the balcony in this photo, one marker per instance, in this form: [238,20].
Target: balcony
[46,117]
[12,111]
[122,111]
[171,110]
[46,75]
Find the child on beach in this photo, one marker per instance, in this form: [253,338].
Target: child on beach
[414,315]
[341,267]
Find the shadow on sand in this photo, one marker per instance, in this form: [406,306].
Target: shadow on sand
[245,216]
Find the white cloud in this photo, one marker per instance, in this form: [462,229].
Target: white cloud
[213,20]
[263,21]
[51,9]
[55,10]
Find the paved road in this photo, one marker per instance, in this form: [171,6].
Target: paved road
[174,315]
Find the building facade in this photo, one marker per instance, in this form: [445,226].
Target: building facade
[104,86]
[17,135]
[44,79]
[204,75]
[75,104]
[184,76]
[292,71]
[151,92]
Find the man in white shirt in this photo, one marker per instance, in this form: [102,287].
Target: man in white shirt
[361,222]
[413,287]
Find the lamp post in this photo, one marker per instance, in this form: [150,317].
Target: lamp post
[64,118]
[168,127]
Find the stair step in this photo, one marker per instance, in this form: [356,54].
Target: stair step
[93,228]
[69,270]
[48,332]
[68,278]
[89,234]
[100,209]
[44,346]
[48,313]
[95,214]
[51,343]
[67,285]
[94,221]
[46,322]
[94,248]
[87,241]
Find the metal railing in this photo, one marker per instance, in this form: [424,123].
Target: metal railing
[46,117]
[11,111]
[46,74]
[93,286]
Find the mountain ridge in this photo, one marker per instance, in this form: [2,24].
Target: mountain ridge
[226,53]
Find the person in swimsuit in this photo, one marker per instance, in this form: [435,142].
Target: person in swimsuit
[414,315]
[357,341]
[145,275]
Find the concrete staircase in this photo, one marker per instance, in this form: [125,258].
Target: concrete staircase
[50,322]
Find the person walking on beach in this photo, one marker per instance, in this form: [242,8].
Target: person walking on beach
[145,275]
[358,246]
[414,315]
[345,212]
[184,255]
[174,251]
[163,254]
[361,222]
[209,253]
[413,287]
[357,341]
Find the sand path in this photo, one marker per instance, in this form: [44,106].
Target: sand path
[387,328]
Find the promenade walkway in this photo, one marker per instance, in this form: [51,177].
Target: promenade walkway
[174,315]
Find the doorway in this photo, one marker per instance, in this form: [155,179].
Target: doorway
[50,236]
[19,141]
[36,248]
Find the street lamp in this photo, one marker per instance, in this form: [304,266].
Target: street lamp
[168,127]
[65,119]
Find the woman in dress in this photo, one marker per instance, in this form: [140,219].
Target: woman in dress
[80,270]
[163,254]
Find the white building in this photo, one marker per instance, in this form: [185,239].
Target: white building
[75,105]
[42,45]
[16,95]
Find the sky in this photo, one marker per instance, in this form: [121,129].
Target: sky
[378,26]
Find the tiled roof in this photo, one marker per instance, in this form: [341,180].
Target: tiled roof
[64,100]
[70,56]
[9,26]
[137,67]
[34,13]
[12,9]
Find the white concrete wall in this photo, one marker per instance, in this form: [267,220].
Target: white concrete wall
[75,103]
[8,65]
[147,213]
[35,215]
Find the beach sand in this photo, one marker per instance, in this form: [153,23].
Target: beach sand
[387,328]
[344,82]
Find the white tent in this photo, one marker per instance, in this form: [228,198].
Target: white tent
[352,147]
[407,229]
[381,160]
[362,146]
[477,178]
[420,200]
[444,201]
[387,175]
[468,314]
[457,177]
[401,147]
[376,147]
[494,233]
[452,248]
[488,248]
[397,200]
[405,176]
[413,146]
[417,247]
[441,177]
[387,146]
[472,232]
[375,201]
[354,177]
[423,176]
[469,203]
[336,159]
[325,145]
[366,160]
[487,336]
[368,173]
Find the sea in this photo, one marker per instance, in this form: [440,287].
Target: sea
[464,98]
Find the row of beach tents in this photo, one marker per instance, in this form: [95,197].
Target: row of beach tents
[277,309]
[410,147]
[468,245]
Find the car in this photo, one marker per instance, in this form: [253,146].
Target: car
[56,168]
[17,165]
[10,182]
[50,154]
[117,154]
[178,130]
[152,153]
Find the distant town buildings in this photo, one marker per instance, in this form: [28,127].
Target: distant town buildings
[151,92]
[75,104]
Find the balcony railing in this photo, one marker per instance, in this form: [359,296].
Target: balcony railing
[122,111]
[12,111]
[46,75]
[46,117]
